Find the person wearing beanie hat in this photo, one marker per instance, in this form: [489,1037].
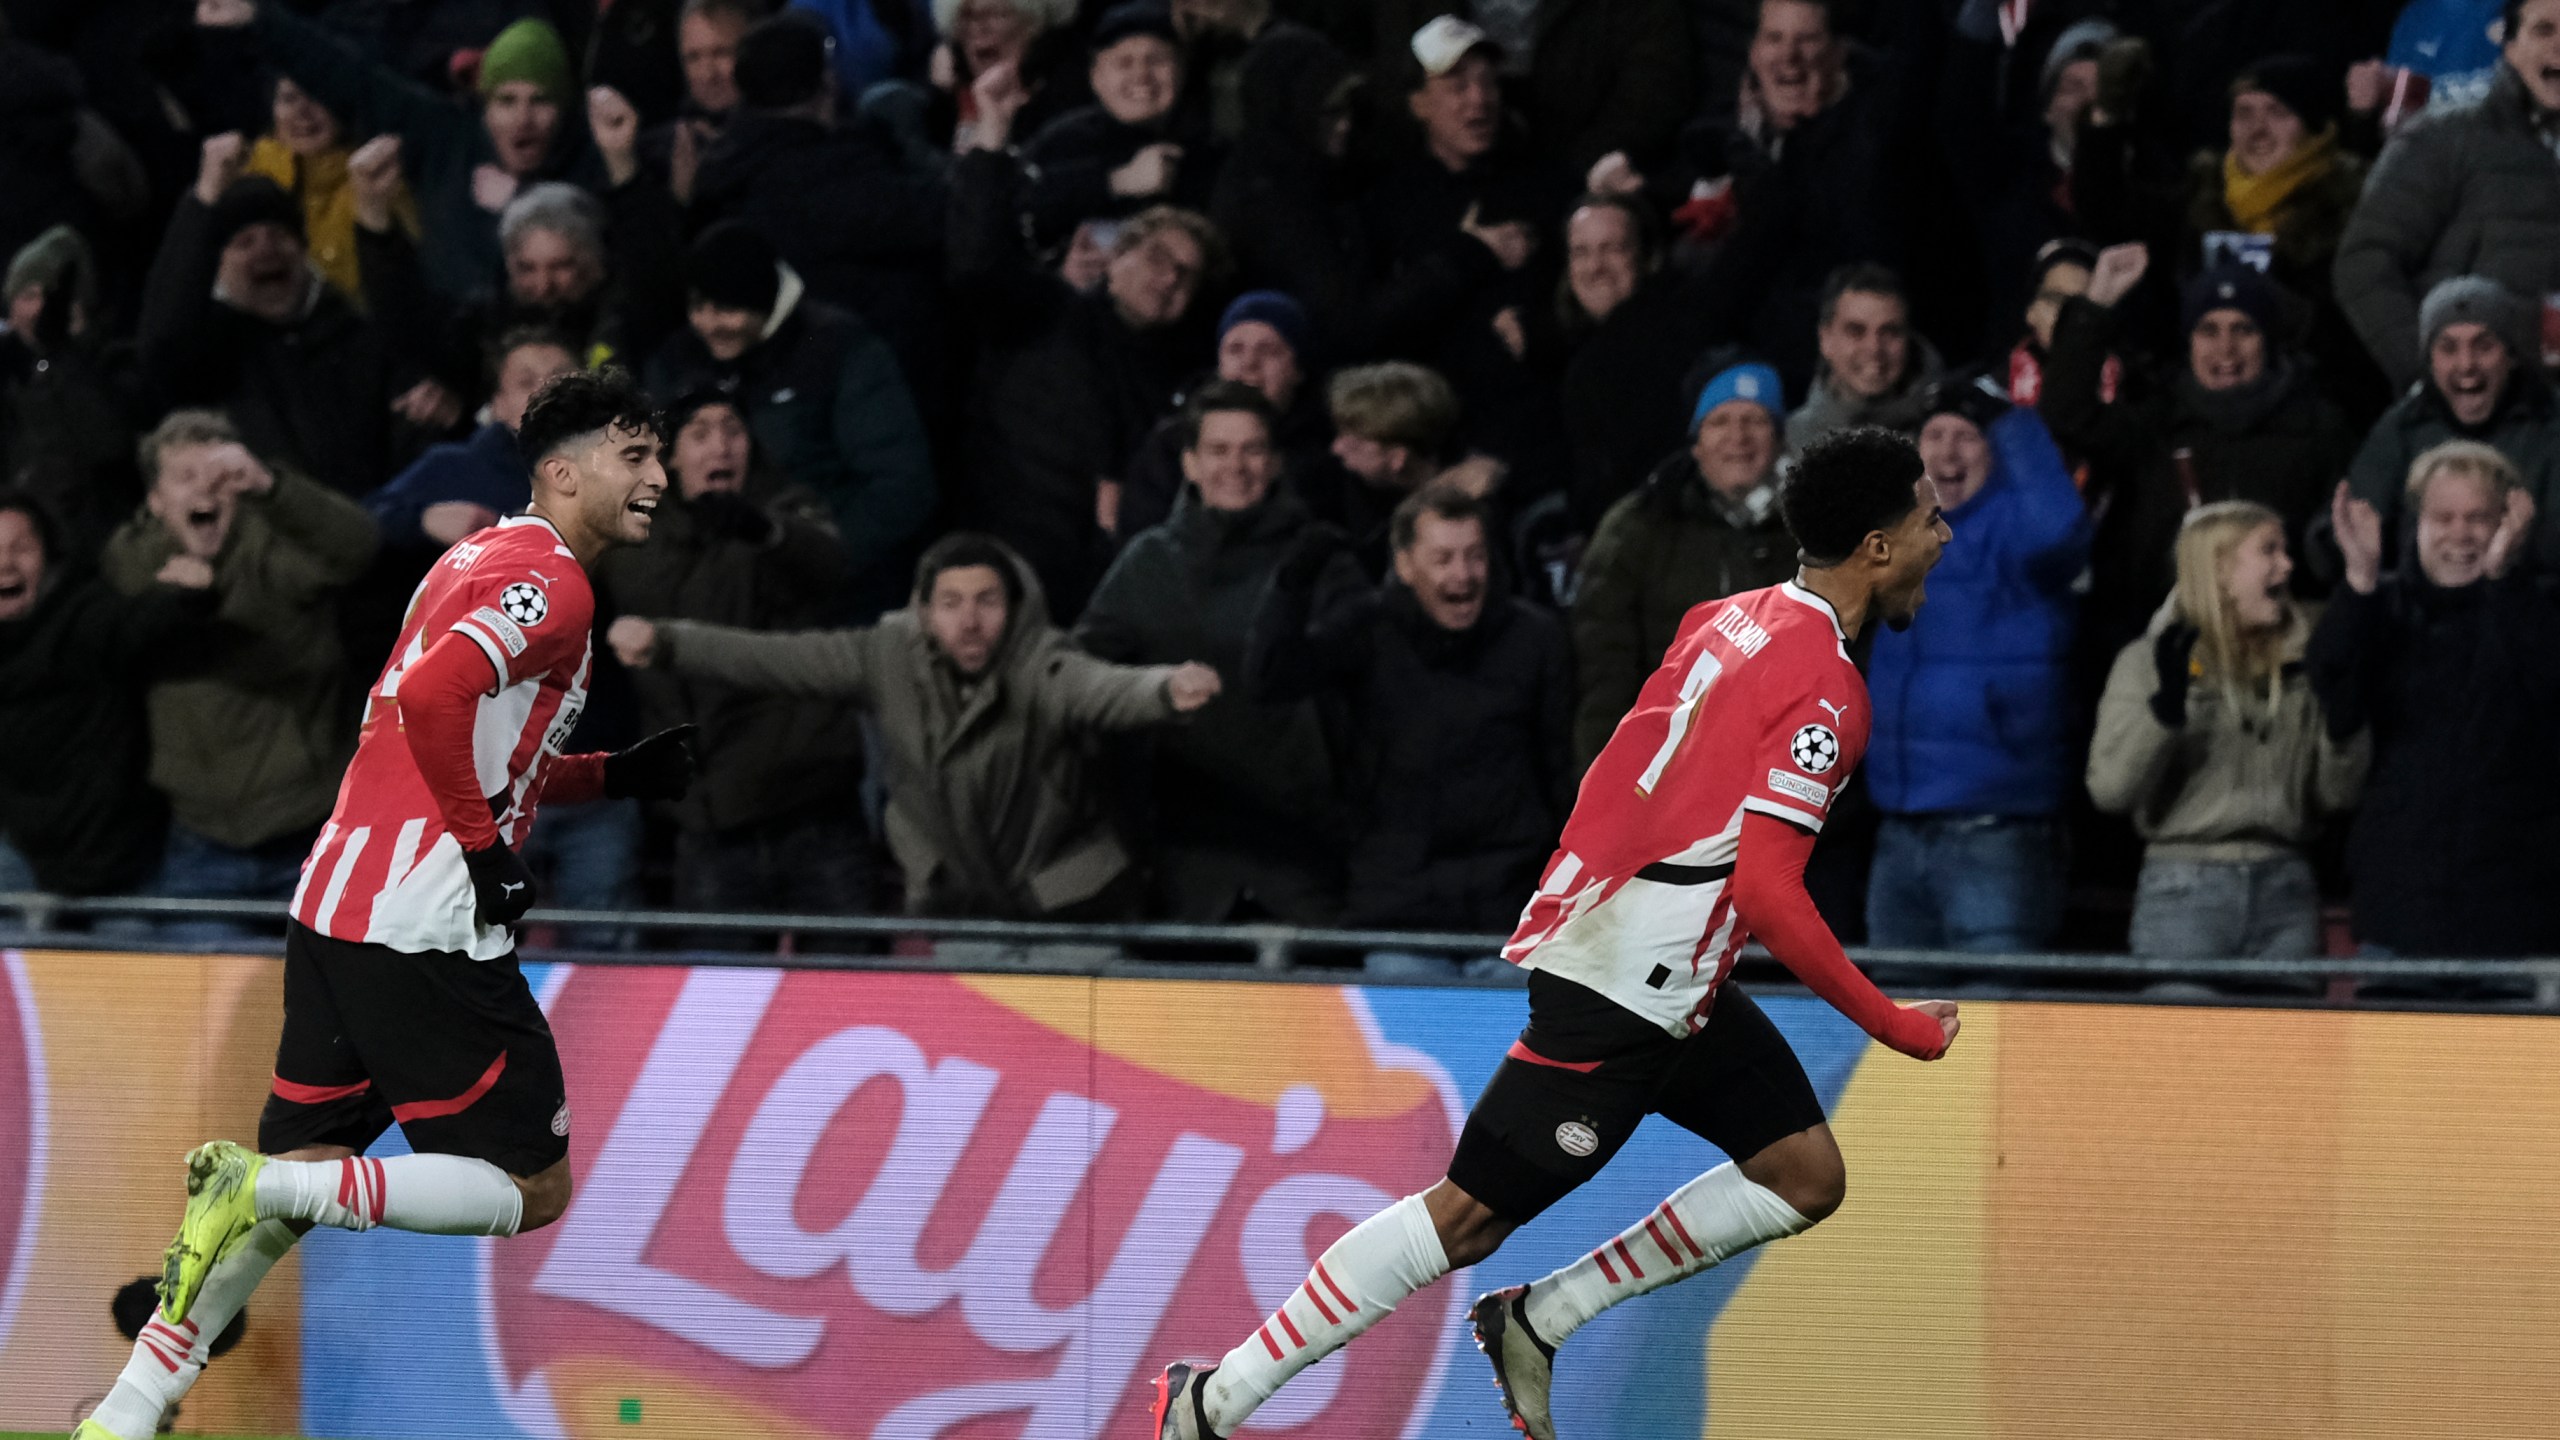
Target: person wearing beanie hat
[1265,341]
[65,432]
[2240,419]
[1704,524]
[782,62]
[2482,384]
[2274,196]
[1285,319]
[822,391]
[2478,300]
[235,318]
[732,267]
[2464,189]
[463,166]
[265,269]
[773,818]
[1130,148]
[528,52]
[525,83]
[2232,287]
[1970,756]
[1749,384]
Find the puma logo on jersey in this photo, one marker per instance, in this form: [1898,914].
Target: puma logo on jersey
[1742,630]
[511,887]
[1837,711]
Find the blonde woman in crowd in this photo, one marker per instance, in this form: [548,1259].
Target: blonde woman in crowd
[2210,739]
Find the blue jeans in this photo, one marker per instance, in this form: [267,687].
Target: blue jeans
[1989,884]
[2222,909]
[589,859]
[1413,966]
[194,867]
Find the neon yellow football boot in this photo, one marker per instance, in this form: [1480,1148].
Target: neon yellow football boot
[92,1430]
[222,1206]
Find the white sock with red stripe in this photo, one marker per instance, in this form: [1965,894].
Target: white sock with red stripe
[430,1194]
[168,1358]
[1355,1283]
[1711,1219]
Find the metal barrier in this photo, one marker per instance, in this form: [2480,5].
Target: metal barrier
[1282,953]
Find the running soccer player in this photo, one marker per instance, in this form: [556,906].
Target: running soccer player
[1690,837]
[402,999]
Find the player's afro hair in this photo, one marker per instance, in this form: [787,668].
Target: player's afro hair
[578,403]
[1846,486]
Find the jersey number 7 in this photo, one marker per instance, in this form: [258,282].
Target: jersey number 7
[1693,691]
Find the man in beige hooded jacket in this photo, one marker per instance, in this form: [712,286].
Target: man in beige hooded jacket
[986,710]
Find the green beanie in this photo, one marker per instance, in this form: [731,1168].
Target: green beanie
[528,50]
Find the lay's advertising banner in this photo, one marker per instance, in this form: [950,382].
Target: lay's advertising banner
[927,1207]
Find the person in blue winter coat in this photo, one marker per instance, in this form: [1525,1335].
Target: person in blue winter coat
[1971,755]
[466,485]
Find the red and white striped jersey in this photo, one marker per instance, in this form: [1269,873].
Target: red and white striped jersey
[385,870]
[1756,707]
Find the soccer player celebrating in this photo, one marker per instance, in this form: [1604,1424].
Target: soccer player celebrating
[402,999]
[1690,837]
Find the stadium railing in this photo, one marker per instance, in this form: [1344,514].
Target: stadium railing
[1286,953]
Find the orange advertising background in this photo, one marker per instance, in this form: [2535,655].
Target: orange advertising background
[2089,1221]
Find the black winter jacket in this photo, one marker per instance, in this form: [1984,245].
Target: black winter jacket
[313,393]
[864,232]
[2457,850]
[2286,451]
[765,756]
[1245,774]
[75,749]
[1461,769]
[1065,389]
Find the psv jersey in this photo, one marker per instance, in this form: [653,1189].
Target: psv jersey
[1755,707]
[385,870]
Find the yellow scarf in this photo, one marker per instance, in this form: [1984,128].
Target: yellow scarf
[2254,199]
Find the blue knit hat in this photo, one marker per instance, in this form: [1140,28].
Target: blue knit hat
[1751,381]
[1276,310]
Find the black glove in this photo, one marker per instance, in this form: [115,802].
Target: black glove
[658,768]
[726,512]
[500,884]
[1314,549]
[2173,656]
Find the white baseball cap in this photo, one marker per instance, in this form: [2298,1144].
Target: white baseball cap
[1440,45]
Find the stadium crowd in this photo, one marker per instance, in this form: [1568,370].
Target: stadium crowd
[1239,458]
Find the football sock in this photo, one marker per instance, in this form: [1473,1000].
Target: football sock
[1355,1283]
[1718,1215]
[430,1194]
[167,1358]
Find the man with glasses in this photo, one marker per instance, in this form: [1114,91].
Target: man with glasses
[1068,381]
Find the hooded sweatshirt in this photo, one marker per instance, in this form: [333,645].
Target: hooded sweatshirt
[992,812]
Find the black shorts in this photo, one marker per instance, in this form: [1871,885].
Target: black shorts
[450,1048]
[1588,1070]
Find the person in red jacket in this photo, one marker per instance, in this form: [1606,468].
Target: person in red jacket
[1689,838]
[402,999]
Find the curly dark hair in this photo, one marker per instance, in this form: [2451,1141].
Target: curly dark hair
[1847,486]
[579,403]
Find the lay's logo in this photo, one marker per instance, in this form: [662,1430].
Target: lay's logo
[911,1207]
